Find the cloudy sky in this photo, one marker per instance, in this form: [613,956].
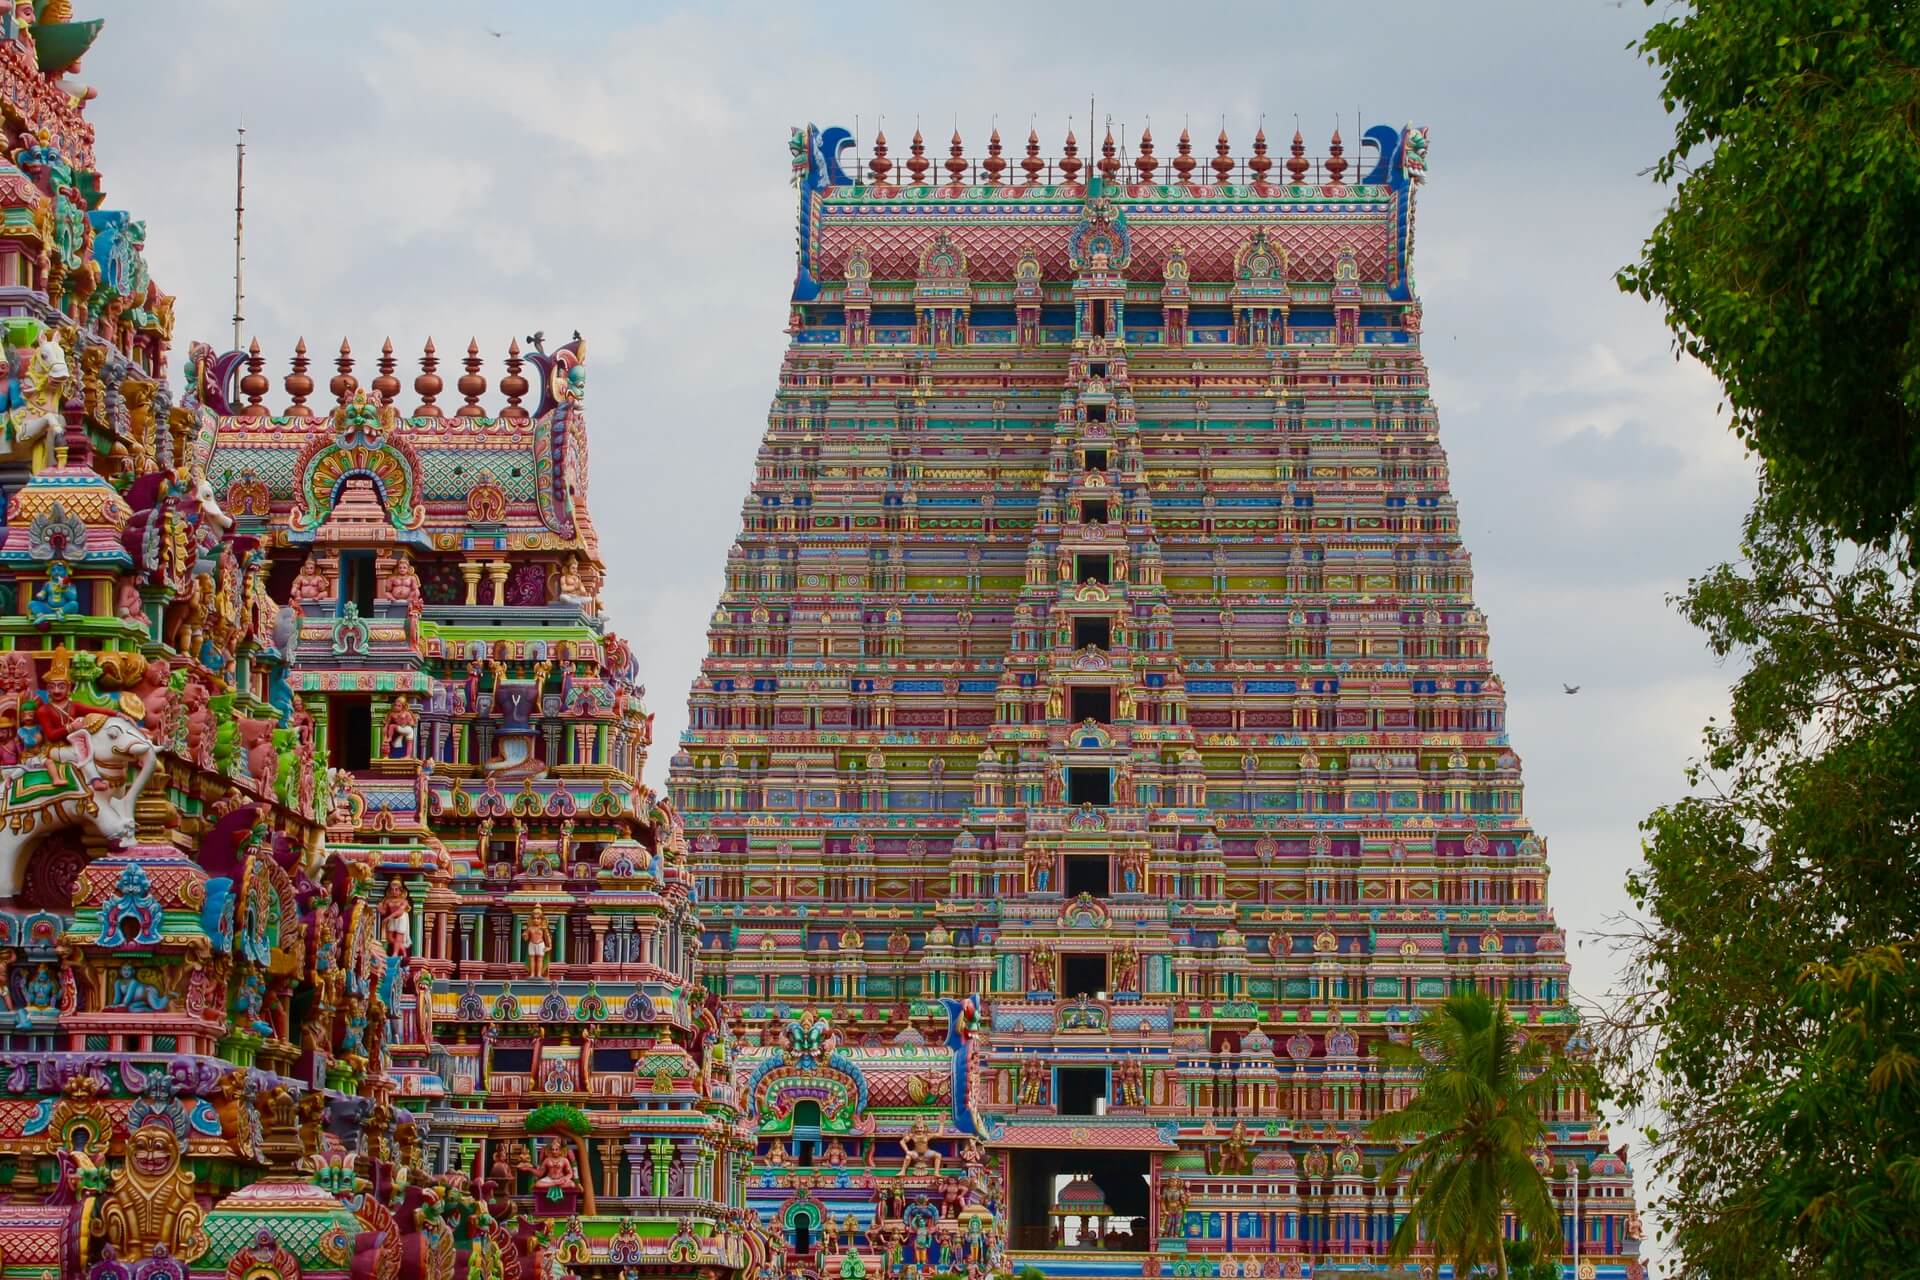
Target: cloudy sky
[622,169]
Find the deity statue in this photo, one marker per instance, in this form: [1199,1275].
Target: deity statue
[537,933]
[312,1114]
[310,585]
[1133,869]
[1126,968]
[201,729]
[916,1150]
[423,1003]
[1040,968]
[953,1197]
[1056,782]
[396,919]
[571,588]
[55,598]
[43,990]
[127,604]
[136,996]
[1173,1207]
[151,1206]
[1132,1084]
[249,1003]
[402,726]
[1039,868]
[403,584]
[1235,1156]
[558,1175]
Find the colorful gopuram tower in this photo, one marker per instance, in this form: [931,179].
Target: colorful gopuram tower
[339,939]
[1098,658]
[545,1035]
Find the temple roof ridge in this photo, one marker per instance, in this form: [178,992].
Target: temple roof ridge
[869,222]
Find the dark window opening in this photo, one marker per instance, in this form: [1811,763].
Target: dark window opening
[1096,459]
[802,1232]
[280,576]
[619,1061]
[1093,511]
[1096,413]
[1098,310]
[1091,702]
[806,1133]
[1089,786]
[1098,368]
[1080,1090]
[350,731]
[357,580]
[1083,973]
[1099,568]
[1097,632]
[1087,873]
[513,1061]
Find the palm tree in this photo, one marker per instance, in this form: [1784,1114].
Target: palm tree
[1470,1133]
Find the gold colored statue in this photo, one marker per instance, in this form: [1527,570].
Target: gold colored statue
[152,1202]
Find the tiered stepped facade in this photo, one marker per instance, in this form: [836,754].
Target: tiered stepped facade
[1099,650]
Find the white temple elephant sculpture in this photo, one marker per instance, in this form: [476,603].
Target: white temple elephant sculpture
[96,786]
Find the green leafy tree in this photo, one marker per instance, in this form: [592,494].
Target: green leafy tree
[1789,259]
[1525,1261]
[1471,1131]
[1766,1026]
[1761,990]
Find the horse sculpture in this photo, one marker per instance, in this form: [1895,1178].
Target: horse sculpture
[33,402]
[84,783]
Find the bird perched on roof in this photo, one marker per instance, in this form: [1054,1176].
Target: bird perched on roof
[1570,688]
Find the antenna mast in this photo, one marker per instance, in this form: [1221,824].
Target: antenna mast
[239,228]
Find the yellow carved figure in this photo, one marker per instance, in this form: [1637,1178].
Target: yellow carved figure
[152,1200]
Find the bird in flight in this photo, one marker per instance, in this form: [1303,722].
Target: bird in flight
[1570,688]
[495,34]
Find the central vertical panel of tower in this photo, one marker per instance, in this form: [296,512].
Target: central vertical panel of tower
[1098,660]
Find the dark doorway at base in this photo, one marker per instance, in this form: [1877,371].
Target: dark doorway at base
[1037,1175]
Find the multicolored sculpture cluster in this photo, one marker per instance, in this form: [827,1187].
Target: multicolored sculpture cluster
[1097,751]
[338,934]
[1099,654]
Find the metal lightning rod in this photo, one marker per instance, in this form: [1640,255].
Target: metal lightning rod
[239,229]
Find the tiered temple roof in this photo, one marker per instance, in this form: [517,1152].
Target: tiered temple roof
[1099,648]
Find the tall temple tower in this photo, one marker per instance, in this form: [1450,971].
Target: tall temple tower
[1098,659]
[339,937]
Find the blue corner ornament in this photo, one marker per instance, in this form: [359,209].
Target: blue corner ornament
[216,914]
[132,915]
